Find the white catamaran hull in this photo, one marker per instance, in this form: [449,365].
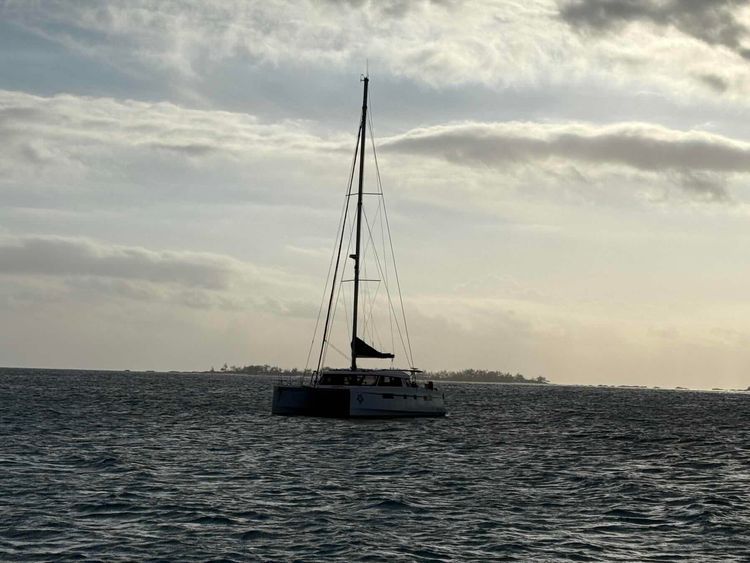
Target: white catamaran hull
[357,401]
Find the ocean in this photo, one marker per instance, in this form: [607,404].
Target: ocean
[192,467]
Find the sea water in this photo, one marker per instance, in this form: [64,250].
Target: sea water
[125,466]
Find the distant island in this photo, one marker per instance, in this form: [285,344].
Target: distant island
[264,369]
[465,375]
[484,376]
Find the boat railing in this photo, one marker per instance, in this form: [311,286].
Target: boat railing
[287,378]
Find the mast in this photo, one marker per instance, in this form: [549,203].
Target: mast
[366,80]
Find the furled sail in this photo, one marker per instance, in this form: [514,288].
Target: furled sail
[363,350]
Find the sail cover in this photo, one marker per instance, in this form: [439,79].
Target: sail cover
[363,350]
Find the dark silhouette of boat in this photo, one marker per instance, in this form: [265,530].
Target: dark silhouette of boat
[355,391]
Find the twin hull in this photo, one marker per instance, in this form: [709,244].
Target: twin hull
[357,401]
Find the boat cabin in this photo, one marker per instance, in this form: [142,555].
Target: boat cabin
[376,378]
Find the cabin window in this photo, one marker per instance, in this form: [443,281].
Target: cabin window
[388,381]
[352,379]
[332,379]
[347,379]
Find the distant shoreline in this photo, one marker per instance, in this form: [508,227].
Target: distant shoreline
[425,375]
[459,376]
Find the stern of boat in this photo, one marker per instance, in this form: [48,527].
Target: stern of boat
[305,400]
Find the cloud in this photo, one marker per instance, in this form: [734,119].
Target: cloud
[715,82]
[186,50]
[87,122]
[714,22]
[698,158]
[186,39]
[61,256]
[133,152]
[36,270]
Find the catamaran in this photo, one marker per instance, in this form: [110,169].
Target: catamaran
[356,391]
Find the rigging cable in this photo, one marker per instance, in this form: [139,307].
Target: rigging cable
[390,301]
[338,255]
[390,240]
[335,307]
[371,297]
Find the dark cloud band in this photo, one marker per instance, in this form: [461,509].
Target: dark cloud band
[60,256]
[714,22]
[692,155]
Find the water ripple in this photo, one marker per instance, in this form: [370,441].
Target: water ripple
[125,466]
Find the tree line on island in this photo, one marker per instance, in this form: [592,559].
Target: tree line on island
[465,375]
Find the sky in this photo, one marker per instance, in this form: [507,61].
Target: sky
[567,181]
